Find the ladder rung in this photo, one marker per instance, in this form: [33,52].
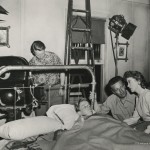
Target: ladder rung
[75,93]
[79,10]
[81,30]
[82,48]
[89,65]
[83,85]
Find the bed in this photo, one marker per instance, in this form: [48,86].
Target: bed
[42,142]
[19,131]
[98,132]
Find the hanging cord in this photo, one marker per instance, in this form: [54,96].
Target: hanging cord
[94,97]
[34,100]
[32,85]
[79,91]
[15,113]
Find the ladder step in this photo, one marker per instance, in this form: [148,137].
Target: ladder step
[82,48]
[79,10]
[75,94]
[81,30]
[89,65]
[83,85]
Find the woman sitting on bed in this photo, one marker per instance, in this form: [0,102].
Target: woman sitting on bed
[137,84]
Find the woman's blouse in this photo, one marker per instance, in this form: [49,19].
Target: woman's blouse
[142,108]
[49,58]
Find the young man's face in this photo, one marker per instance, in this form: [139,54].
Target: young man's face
[119,89]
[85,109]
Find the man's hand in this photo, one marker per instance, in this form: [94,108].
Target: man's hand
[147,130]
[130,121]
[92,96]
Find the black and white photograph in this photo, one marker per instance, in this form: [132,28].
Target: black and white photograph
[74,75]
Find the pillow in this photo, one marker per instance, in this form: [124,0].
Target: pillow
[23,128]
[64,113]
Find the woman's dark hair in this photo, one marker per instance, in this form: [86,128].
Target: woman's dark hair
[137,76]
[37,45]
[77,105]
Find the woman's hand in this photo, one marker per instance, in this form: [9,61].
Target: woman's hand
[147,130]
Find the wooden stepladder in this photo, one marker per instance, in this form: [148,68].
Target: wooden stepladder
[76,50]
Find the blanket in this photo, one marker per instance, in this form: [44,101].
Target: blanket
[41,142]
[100,132]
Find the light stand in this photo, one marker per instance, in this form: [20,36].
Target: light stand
[114,54]
[119,26]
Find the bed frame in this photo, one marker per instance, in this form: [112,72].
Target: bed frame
[61,68]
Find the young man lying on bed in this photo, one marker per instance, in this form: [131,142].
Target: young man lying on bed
[85,130]
[85,111]
[98,131]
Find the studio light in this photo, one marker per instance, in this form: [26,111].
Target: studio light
[118,25]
